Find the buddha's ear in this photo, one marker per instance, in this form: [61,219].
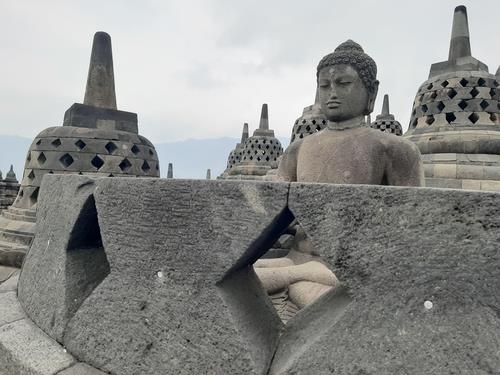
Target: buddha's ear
[371,98]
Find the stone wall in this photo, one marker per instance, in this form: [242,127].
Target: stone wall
[164,284]
[8,193]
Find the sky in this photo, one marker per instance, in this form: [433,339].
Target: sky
[196,69]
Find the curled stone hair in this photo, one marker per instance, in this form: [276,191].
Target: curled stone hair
[351,53]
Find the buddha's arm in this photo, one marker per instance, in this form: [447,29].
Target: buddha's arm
[287,170]
[404,164]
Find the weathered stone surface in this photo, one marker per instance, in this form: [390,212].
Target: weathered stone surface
[180,297]
[11,283]
[66,259]
[10,309]
[396,248]
[81,369]
[26,350]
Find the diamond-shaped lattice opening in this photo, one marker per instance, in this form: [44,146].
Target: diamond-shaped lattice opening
[434,95]
[481,82]
[111,147]
[28,157]
[135,150]
[285,245]
[451,93]
[474,92]
[39,142]
[484,104]
[464,82]
[151,152]
[80,144]
[430,86]
[145,166]
[440,106]
[41,158]
[493,92]
[493,117]
[445,83]
[462,104]
[429,120]
[34,196]
[424,108]
[450,117]
[125,165]
[474,117]
[495,83]
[31,175]
[56,142]
[97,162]
[66,160]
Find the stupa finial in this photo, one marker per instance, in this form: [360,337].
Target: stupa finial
[100,91]
[385,106]
[460,40]
[209,174]
[170,171]
[244,134]
[264,119]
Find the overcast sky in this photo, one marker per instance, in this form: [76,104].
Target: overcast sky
[200,68]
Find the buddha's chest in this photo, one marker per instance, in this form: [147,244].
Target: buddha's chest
[344,159]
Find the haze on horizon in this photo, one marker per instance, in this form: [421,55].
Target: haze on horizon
[201,68]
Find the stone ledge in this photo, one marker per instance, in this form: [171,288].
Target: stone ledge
[10,309]
[26,350]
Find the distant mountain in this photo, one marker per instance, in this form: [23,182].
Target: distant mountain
[191,158]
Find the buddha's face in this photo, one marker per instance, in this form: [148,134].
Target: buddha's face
[342,94]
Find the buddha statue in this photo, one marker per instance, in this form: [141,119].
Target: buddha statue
[347,151]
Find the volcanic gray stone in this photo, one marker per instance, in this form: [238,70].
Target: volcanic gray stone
[181,296]
[81,369]
[386,122]
[26,350]
[11,283]
[396,249]
[10,309]
[100,90]
[170,171]
[66,260]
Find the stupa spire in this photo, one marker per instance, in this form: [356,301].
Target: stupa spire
[209,174]
[170,171]
[385,106]
[100,90]
[460,39]
[264,119]
[244,134]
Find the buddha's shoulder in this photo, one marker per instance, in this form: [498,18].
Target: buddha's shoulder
[394,144]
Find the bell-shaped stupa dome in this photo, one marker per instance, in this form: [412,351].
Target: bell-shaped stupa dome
[455,120]
[385,121]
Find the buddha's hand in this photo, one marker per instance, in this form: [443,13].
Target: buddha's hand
[315,272]
[303,293]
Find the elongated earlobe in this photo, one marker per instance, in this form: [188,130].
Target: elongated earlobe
[371,99]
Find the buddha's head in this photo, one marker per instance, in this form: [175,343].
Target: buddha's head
[347,83]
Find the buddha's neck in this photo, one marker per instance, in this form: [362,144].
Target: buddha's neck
[352,123]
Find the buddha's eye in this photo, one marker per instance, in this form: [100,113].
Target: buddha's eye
[324,84]
[344,82]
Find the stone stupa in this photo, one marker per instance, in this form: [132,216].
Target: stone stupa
[9,187]
[311,121]
[386,122]
[259,154]
[456,118]
[235,154]
[96,139]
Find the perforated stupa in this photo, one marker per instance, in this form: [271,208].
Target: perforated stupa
[456,118]
[385,121]
[311,121]
[95,139]
[260,152]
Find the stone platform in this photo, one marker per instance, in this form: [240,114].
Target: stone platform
[164,283]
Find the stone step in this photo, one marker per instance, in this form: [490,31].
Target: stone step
[14,216]
[12,254]
[16,237]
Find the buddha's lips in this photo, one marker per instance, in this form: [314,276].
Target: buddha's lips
[333,104]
